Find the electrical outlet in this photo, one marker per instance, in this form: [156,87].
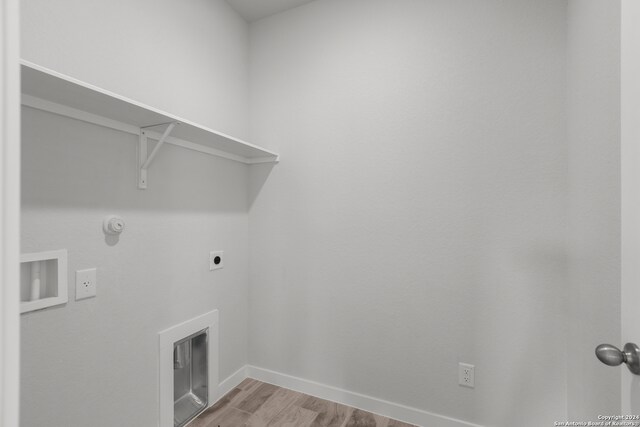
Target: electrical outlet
[466,375]
[86,284]
[216,260]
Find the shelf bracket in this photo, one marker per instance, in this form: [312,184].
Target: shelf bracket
[144,160]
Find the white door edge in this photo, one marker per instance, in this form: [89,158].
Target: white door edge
[630,179]
[9,213]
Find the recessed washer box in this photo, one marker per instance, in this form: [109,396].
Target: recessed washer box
[43,280]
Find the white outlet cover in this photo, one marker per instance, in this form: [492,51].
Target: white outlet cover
[216,260]
[86,283]
[466,375]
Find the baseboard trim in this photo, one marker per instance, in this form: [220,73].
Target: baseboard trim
[231,382]
[367,403]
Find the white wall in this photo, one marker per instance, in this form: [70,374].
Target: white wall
[594,176]
[189,59]
[94,362]
[418,217]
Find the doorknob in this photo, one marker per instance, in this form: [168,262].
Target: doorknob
[612,356]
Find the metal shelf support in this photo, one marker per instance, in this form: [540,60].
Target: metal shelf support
[144,160]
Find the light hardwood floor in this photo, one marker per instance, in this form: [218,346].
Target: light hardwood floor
[257,404]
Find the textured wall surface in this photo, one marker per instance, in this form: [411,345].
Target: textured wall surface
[103,352]
[186,58]
[448,192]
[95,362]
[594,175]
[418,217]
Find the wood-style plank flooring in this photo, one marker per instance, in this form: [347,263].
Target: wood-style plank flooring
[257,404]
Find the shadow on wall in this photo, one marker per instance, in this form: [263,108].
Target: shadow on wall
[258,177]
[522,305]
[68,163]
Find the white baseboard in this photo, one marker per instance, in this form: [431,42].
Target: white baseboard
[230,383]
[357,400]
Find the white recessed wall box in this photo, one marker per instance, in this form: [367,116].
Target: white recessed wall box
[43,280]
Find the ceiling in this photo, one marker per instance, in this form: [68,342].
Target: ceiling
[252,10]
